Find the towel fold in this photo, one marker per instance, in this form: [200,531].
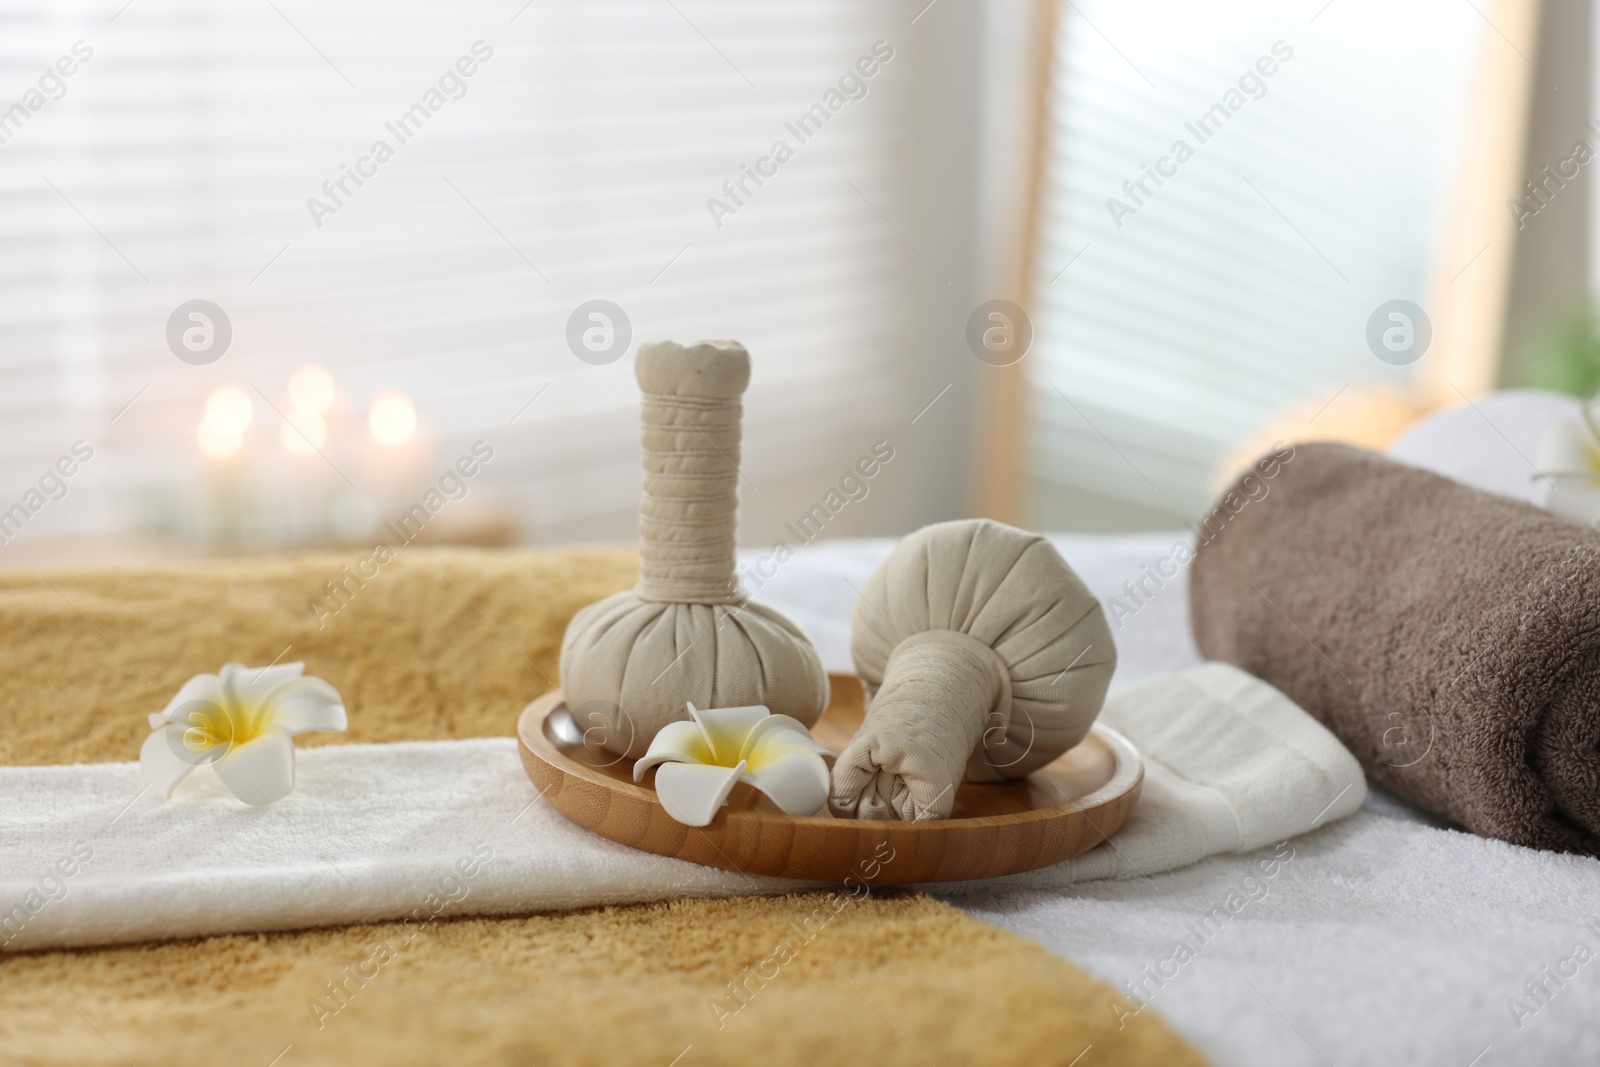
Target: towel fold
[1230,765]
[1449,637]
[443,829]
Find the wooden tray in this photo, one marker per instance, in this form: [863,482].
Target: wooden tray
[1060,811]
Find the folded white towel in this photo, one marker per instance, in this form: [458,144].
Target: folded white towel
[450,828]
[427,828]
[1231,764]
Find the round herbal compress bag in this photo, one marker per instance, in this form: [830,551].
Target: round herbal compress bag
[983,657]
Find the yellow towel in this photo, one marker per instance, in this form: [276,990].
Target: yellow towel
[438,643]
[441,643]
[891,980]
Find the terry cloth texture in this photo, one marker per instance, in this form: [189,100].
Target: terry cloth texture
[1450,637]
[370,833]
[437,643]
[452,643]
[1230,765]
[797,980]
[1383,940]
[454,828]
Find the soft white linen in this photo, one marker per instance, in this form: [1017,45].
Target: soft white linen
[1384,938]
[1380,939]
[1373,941]
[1492,443]
[370,832]
[381,831]
[1231,765]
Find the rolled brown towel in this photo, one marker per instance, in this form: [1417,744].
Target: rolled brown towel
[1449,637]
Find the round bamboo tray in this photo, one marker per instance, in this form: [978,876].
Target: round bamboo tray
[1060,811]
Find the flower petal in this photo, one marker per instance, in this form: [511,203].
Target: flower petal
[791,731]
[796,781]
[725,729]
[676,742]
[302,704]
[260,771]
[1570,499]
[692,792]
[206,688]
[250,686]
[161,760]
[1566,448]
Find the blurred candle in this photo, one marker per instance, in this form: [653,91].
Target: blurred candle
[216,442]
[311,389]
[303,432]
[229,410]
[392,418]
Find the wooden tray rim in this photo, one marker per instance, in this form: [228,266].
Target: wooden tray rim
[1127,775]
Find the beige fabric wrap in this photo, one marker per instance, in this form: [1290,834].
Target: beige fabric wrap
[630,662]
[983,657]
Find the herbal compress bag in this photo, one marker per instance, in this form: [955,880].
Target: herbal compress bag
[685,632]
[983,657]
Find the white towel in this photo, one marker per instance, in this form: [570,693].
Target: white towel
[1376,940]
[1231,764]
[1367,943]
[1492,443]
[450,828]
[426,828]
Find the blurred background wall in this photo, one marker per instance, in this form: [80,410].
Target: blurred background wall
[1063,264]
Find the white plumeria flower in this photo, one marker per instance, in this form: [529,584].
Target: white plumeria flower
[243,722]
[704,758]
[1569,460]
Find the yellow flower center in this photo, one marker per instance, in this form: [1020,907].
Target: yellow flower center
[210,724]
[768,750]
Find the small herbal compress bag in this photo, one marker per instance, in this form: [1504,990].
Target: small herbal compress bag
[983,657]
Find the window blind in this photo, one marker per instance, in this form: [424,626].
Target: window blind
[1215,236]
[538,156]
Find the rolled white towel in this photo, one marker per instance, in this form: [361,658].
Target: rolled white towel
[1492,444]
